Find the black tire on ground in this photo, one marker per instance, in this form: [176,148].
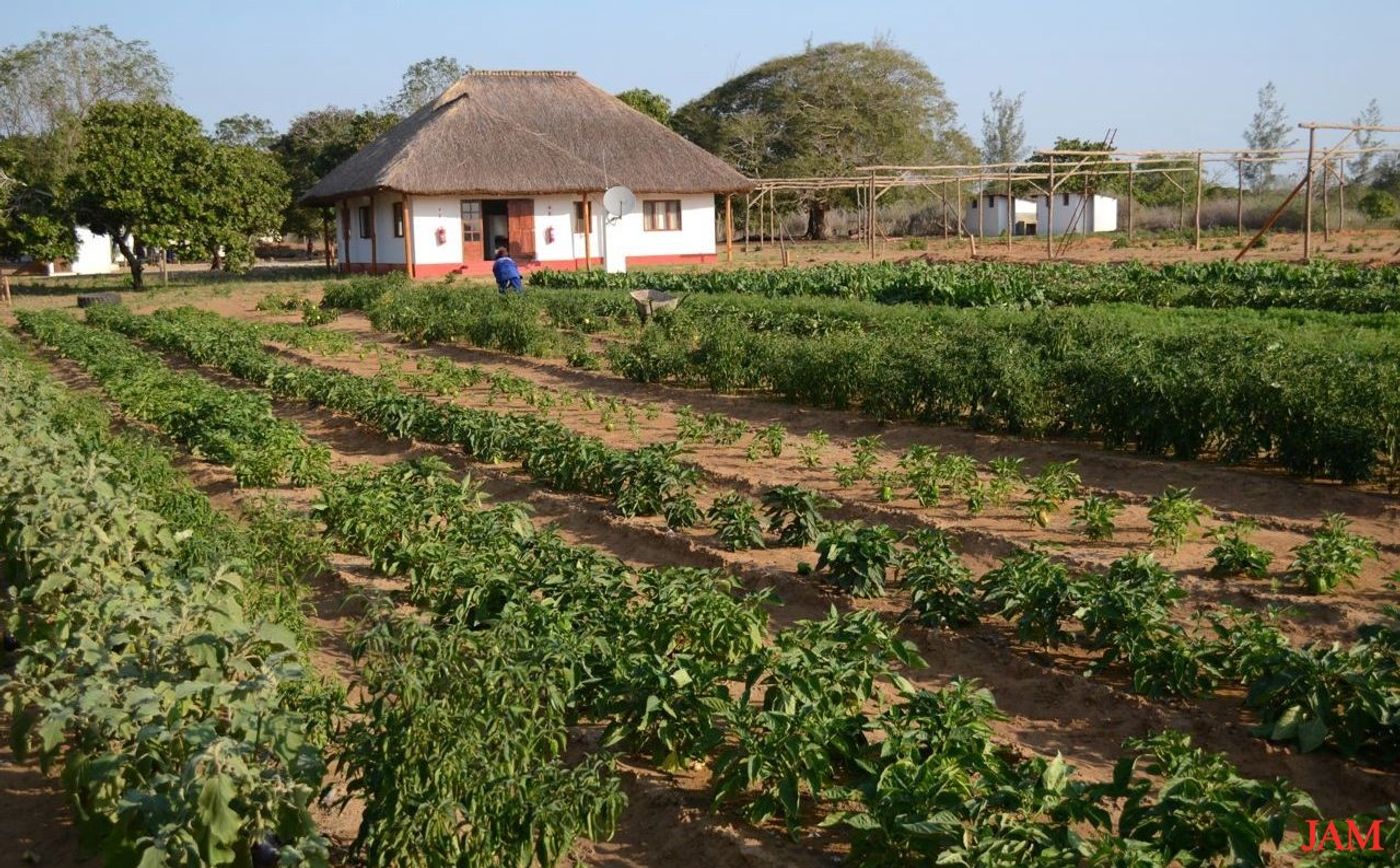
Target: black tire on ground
[88,299]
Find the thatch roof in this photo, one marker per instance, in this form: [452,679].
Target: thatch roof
[498,133]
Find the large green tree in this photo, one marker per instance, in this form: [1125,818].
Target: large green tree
[246,193]
[315,143]
[1075,174]
[143,177]
[47,87]
[649,103]
[34,221]
[825,111]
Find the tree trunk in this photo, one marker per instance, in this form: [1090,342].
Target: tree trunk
[133,262]
[816,221]
[217,261]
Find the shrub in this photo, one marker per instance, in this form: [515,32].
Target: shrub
[856,557]
[1334,555]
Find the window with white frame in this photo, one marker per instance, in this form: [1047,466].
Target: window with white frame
[661,215]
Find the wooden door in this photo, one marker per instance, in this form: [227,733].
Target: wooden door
[520,215]
[471,231]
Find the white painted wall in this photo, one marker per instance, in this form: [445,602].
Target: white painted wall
[624,236]
[94,254]
[611,238]
[431,213]
[993,210]
[1100,216]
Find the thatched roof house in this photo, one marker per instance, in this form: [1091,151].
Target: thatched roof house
[521,159]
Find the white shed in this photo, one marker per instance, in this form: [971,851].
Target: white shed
[93,256]
[986,215]
[1073,214]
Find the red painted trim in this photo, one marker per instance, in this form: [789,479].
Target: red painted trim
[674,259]
[365,268]
[482,267]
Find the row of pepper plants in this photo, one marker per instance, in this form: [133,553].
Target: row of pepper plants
[229,427]
[132,661]
[552,635]
[1345,696]
[596,792]
[649,480]
[1328,286]
[1313,392]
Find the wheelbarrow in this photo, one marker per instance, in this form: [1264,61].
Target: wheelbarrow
[650,301]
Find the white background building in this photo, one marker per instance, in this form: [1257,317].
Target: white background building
[992,208]
[93,256]
[1072,215]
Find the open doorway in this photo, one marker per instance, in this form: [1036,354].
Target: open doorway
[496,216]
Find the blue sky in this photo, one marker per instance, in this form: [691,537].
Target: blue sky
[1176,75]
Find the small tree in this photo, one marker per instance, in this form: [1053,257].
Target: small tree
[649,103]
[1003,131]
[141,171]
[249,130]
[422,82]
[1267,131]
[1366,139]
[1378,205]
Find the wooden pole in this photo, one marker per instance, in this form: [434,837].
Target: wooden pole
[1239,198]
[958,209]
[870,200]
[748,213]
[1198,201]
[373,238]
[1341,195]
[1130,202]
[1326,212]
[408,264]
[326,238]
[981,208]
[1010,212]
[943,197]
[345,230]
[1050,214]
[1307,197]
[5,287]
[729,227]
[587,243]
[773,219]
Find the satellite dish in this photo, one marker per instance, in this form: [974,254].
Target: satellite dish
[619,201]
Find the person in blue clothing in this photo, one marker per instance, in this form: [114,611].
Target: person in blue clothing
[507,272]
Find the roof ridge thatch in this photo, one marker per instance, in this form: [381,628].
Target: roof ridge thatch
[505,133]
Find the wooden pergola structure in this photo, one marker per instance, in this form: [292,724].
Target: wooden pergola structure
[1183,169]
